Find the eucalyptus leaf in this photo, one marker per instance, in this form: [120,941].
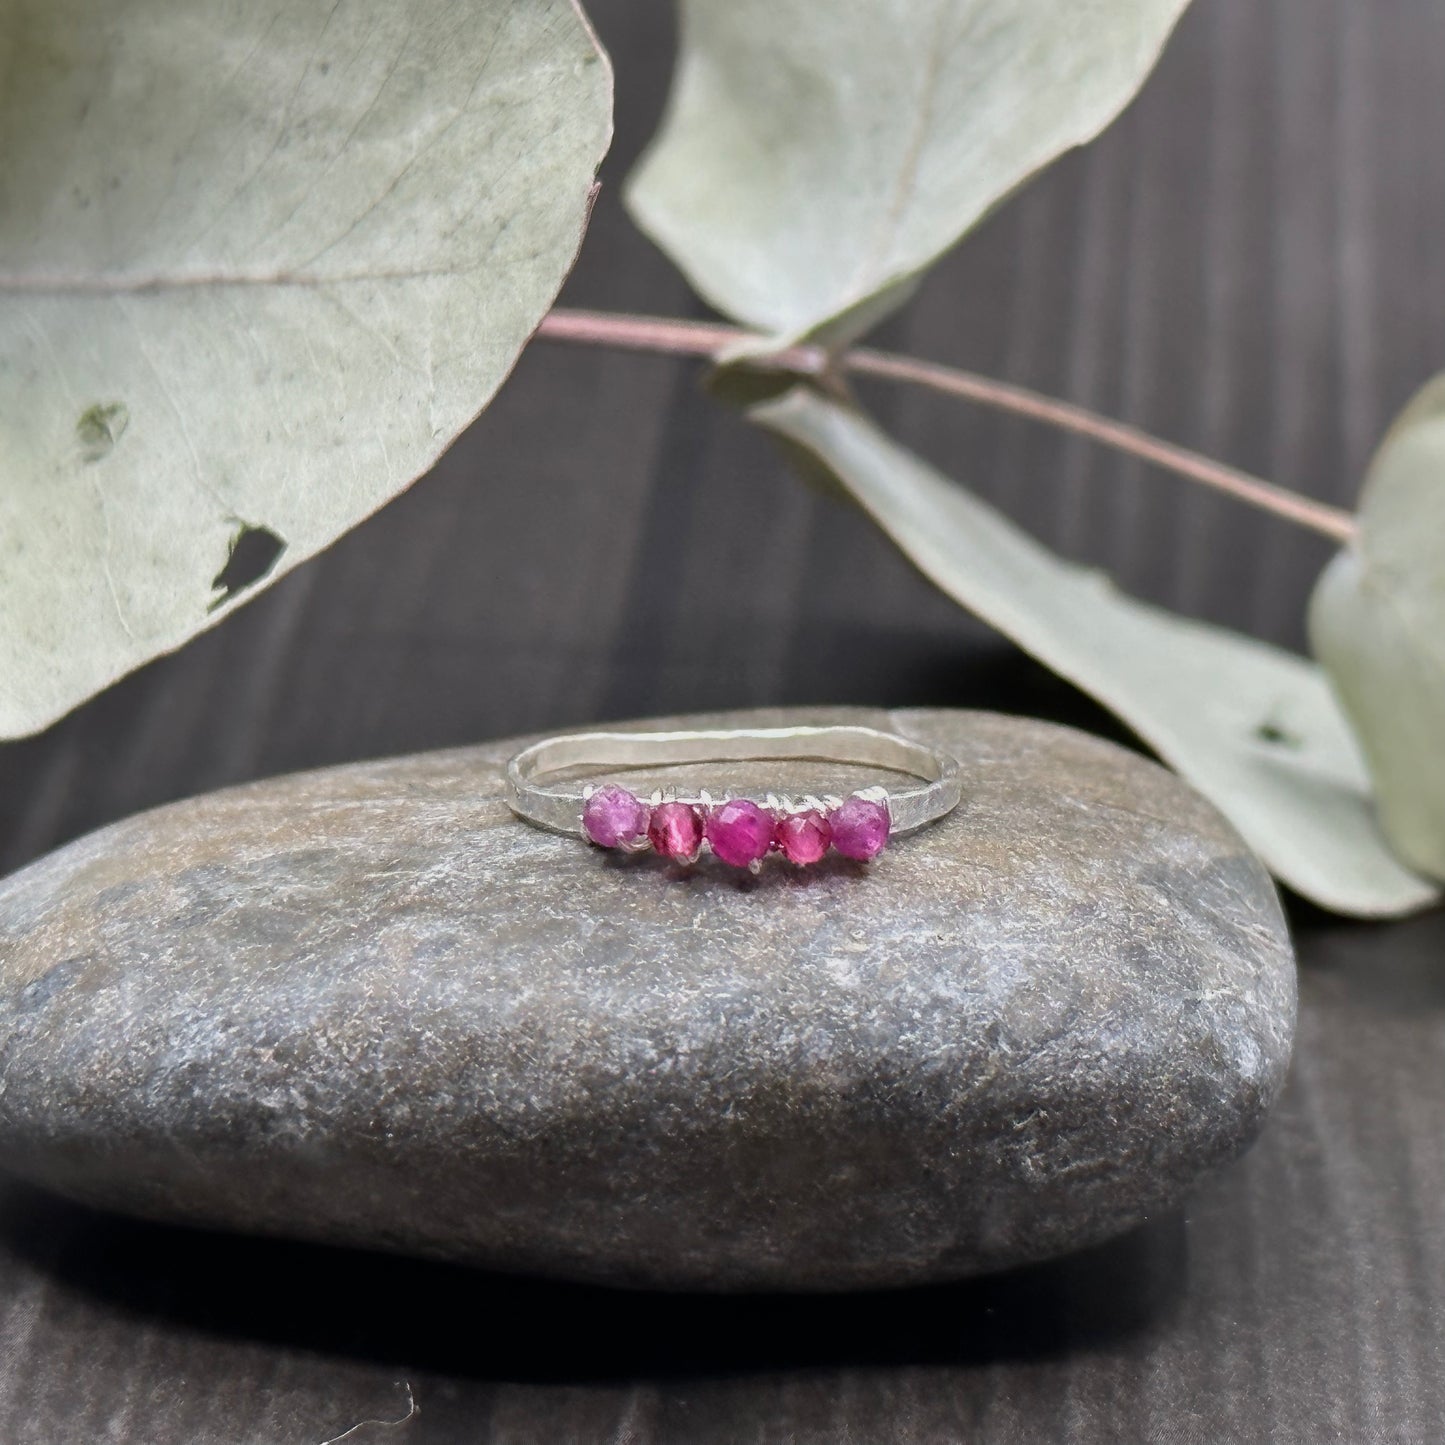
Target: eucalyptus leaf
[1255,729]
[815,158]
[1377,623]
[260,262]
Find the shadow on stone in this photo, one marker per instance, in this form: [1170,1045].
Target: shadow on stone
[441,1319]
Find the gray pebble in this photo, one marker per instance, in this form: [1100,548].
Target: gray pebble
[368,1006]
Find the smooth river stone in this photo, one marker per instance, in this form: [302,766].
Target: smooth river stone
[367,1006]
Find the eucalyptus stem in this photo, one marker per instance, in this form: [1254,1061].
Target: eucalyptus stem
[710,339]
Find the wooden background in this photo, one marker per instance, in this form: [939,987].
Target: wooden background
[1251,263]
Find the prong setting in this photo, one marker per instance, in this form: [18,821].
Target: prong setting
[740,831]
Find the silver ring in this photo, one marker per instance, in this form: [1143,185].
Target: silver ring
[739,829]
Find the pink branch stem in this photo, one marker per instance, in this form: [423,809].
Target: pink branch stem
[710,339]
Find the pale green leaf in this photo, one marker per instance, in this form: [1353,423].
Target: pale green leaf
[816,157]
[1255,729]
[1377,622]
[260,262]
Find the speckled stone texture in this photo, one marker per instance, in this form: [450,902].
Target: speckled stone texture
[368,1006]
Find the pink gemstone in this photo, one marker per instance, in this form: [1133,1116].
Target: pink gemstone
[860,827]
[740,832]
[613,818]
[803,837]
[675,830]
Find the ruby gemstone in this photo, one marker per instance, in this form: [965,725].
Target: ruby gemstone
[675,830]
[803,837]
[740,832]
[860,827]
[613,818]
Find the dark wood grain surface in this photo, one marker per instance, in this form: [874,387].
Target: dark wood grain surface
[1251,262]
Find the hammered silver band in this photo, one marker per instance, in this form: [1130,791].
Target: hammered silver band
[558,806]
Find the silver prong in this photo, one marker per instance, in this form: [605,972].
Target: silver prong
[755,867]
[588,791]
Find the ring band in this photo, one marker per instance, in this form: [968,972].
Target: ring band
[740,830]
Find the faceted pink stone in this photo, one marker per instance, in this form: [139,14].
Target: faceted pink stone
[803,837]
[740,832]
[613,818]
[860,827]
[675,830]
